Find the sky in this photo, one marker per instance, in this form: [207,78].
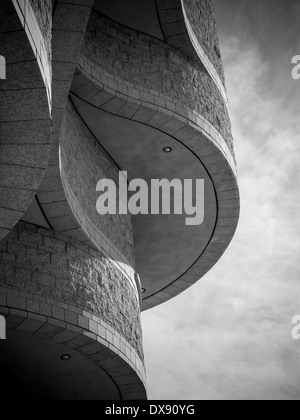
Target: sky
[229,336]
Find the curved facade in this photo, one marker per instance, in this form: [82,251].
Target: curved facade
[25,110]
[111,91]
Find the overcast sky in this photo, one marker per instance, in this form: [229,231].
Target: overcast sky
[229,336]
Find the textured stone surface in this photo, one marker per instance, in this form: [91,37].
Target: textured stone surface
[84,164]
[43,13]
[202,140]
[36,19]
[67,37]
[25,121]
[53,275]
[153,69]
[68,28]
[201,16]
[68,195]
[199,42]
[58,286]
[123,85]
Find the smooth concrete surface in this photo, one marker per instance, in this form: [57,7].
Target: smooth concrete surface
[32,368]
[136,14]
[35,215]
[165,247]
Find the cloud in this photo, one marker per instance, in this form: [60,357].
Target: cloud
[229,336]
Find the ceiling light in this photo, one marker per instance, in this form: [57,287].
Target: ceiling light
[66,357]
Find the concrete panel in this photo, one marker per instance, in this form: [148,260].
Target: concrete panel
[33,368]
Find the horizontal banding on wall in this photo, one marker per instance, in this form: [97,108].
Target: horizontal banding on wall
[68,292]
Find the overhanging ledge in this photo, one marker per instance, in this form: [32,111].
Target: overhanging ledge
[205,144]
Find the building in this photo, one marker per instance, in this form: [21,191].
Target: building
[92,88]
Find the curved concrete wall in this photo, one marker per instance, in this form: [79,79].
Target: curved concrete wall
[201,16]
[134,76]
[153,72]
[83,164]
[190,27]
[60,289]
[75,284]
[25,110]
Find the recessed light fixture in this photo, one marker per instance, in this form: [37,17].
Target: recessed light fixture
[168,149]
[66,357]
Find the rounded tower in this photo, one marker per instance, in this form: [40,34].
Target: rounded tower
[94,88]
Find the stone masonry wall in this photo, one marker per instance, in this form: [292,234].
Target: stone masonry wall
[55,276]
[201,16]
[152,67]
[43,13]
[84,164]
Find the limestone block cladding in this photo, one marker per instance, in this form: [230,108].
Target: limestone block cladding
[87,95]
